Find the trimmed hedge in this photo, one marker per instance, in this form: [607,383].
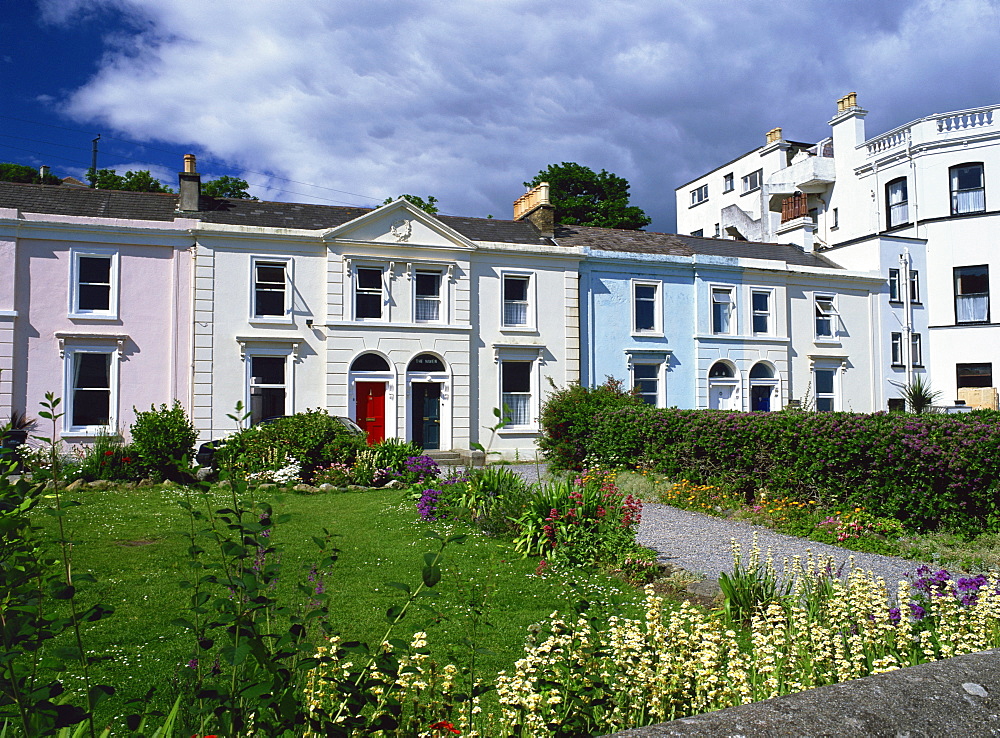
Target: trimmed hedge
[570,416]
[928,471]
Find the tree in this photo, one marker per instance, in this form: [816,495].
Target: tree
[582,197]
[232,188]
[10,172]
[428,206]
[140,181]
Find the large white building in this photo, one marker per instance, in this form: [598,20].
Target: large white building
[912,204]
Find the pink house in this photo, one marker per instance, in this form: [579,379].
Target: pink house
[94,306]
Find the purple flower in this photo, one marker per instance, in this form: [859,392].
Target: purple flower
[427,505]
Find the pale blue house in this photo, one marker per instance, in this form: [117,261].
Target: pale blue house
[696,322]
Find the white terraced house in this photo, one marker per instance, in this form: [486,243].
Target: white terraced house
[913,203]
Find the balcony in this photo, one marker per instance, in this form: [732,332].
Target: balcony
[796,206]
[809,174]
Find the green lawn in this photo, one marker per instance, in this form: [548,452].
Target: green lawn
[133,542]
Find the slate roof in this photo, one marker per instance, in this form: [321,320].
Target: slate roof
[641,242]
[63,200]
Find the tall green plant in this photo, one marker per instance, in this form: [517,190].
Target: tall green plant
[919,395]
[41,620]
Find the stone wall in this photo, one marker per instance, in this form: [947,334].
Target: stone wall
[954,697]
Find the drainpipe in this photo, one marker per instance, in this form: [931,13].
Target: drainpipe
[904,268]
[913,177]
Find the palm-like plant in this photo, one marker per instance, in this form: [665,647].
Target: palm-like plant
[919,395]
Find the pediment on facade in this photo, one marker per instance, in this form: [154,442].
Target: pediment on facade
[400,223]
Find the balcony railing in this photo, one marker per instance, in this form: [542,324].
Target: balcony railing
[965,121]
[796,206]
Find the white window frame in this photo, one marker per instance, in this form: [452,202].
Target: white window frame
[731,301]
[766,314]
[894,286]
[286,265]
[658,378]
[916,350]
[532,394]
[914,286]
[442,295]
[752,181]
[835,395]
[699,195]
[286,353]
[355,291]
[657,328]
[832,313]
[728,182]
[896,349]
[77,312]
[69,366]
[530,311]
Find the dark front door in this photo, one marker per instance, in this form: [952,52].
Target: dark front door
[370,410]
[426,414]
[760,399]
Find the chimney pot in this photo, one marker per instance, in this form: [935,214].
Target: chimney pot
[773,135]
[190,163]
[534,206]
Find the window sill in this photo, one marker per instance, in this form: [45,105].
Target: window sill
[89,432]
[262,320]
[514,430]
[696,204]
[731,189]
[821,341]
[750,192]
[518,329]
[93,316]
[647,334]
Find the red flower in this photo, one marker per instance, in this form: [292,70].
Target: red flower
[445,725]
[109,453]
[126,459]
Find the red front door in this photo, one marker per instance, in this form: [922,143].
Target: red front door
[370,409]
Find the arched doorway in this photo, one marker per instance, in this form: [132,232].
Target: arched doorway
[427,382]
[371,380]
[723,388]
[763,387]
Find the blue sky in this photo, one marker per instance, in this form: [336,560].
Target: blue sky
[353,101]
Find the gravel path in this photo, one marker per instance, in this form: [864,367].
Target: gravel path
[701,543]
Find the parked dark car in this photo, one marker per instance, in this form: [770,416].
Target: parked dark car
[206,452]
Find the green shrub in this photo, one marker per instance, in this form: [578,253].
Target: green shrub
[311,439]
[164,440]
[111,459]
[570,415]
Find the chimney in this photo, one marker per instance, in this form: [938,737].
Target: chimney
[773,135]
[43,172]
[534,206]
[190,186]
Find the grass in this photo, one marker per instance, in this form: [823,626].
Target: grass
[132,541]
[800,518]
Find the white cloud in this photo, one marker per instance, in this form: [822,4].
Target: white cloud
[467,100]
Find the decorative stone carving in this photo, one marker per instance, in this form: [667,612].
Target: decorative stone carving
[401,229]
